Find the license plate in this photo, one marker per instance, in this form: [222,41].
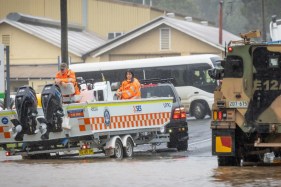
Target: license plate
[84,152]
[238,104]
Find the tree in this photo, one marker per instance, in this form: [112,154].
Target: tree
[239,16]
[253,12]
[186,7]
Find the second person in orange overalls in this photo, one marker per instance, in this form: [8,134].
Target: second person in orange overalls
[130,87]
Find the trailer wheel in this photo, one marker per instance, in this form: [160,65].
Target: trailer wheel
[129,149]
[118,151]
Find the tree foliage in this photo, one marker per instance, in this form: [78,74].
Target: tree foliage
[239,16]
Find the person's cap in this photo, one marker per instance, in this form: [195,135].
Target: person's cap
[63,66]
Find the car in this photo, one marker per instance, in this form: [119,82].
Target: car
[178,126]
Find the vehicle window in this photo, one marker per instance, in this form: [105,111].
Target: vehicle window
[178,74]
[157,91]
[110,75]
[266,63]
[233,67]
[200,78]
[216,61]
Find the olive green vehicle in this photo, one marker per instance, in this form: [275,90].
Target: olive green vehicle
[246,114]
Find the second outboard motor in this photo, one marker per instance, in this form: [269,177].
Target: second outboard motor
[26,106]
[51,98]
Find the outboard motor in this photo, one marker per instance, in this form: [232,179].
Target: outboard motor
[26,106]
[51,98]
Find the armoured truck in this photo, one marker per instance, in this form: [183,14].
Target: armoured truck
[83,124]
[246,114]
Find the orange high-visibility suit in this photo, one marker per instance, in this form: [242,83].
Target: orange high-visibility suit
[68,76]
[130,90]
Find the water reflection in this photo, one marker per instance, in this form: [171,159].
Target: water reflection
[248,176]
[142,171]
[163,169]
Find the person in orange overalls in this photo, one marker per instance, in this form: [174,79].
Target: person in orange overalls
[66,75]
[130,87]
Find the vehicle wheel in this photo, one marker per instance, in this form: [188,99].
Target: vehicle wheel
[228,161]
[182,145]
[173,142]
[171,145]
[198,110]
[118,151]
[129,149]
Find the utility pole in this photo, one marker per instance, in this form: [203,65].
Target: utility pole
[7,97]
[263,21]
[220,22]
[2,70]
[64,35]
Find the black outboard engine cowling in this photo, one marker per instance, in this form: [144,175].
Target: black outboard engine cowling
[26,106]
[51,98]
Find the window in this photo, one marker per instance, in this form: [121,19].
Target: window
[200,77]
[6,40]
[158,91]
[165,38]
[233,67]
[113,35]
[110,75]
[176,72]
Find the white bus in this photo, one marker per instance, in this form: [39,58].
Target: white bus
[189,73]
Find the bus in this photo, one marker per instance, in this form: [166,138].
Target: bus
[189,75]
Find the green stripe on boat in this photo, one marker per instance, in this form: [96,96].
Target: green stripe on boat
[7,113]
[117,104]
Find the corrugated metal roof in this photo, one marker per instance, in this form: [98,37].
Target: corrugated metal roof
[208,33]
[204,33]
[79,41]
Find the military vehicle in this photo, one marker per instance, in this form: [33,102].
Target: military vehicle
[246,114]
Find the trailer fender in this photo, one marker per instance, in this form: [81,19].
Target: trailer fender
[125,138]
[111,143]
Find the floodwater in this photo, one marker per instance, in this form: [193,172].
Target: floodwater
[165,168]
[151,169]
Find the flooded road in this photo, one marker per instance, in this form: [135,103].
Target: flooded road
[166,167]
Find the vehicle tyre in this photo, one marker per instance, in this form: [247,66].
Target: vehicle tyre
[228,161]
[182,145]
[118,150]
[129,149]
[198,110]
[171,145]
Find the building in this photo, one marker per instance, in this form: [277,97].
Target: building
[35,47]
[99,30]
[164,36]
[107,18]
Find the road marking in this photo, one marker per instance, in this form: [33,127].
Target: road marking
[200,141]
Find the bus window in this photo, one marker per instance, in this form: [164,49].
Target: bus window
[175,72]
[157,72]
[201,79]
[138,73]
[198,77]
